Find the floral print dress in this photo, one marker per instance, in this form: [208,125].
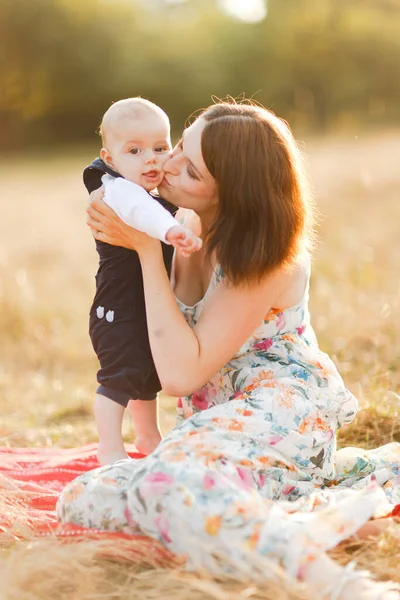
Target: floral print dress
[251,470]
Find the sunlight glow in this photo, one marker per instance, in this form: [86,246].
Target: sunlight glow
[250,11]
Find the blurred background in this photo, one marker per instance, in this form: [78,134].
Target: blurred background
[329,67]
[322,64]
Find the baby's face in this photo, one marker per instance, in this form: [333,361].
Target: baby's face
[137,149]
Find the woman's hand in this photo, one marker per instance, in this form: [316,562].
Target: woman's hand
[107,227]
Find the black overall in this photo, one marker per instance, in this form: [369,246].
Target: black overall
[117,324]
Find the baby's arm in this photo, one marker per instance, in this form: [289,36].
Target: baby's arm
[139,210]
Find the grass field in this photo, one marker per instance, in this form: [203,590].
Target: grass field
[47,367]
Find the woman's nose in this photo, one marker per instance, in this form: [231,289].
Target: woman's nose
[171,165]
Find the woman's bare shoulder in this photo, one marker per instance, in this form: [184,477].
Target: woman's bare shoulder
[293,281]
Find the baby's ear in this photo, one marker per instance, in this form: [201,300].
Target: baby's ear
[106,157]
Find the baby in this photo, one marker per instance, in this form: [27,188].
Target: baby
[136,143]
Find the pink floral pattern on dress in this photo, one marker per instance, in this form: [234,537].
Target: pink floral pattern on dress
[251,470]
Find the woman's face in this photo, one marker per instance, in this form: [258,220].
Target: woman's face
[187,182]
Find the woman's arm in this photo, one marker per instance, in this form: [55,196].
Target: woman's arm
[187,358]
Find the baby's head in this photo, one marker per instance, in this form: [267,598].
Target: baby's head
[135,134]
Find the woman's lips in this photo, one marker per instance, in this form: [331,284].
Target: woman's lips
[165,181]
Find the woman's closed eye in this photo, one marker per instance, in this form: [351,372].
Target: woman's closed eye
[189,169]
[191,173]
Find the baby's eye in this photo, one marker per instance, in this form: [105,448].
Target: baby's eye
[135,151]
[160,149]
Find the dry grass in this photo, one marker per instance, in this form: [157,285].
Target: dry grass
[47,263]
[85,575]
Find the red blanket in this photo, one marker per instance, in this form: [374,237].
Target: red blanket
[30,482]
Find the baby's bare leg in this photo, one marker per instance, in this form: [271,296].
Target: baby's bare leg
[109,415]
[144,414]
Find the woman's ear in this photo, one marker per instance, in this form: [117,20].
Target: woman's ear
[106,157]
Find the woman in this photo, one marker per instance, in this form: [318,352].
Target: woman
[251,466]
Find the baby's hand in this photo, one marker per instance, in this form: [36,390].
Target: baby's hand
[183,240]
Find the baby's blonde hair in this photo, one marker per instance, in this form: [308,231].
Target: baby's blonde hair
[128,108]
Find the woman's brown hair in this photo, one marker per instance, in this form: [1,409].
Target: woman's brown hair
[265,212]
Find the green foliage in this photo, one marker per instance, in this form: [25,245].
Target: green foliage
[320,64]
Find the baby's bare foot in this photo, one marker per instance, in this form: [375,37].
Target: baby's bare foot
[107,456]
[145,444]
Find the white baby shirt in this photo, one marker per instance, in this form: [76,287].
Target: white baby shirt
[137,208]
